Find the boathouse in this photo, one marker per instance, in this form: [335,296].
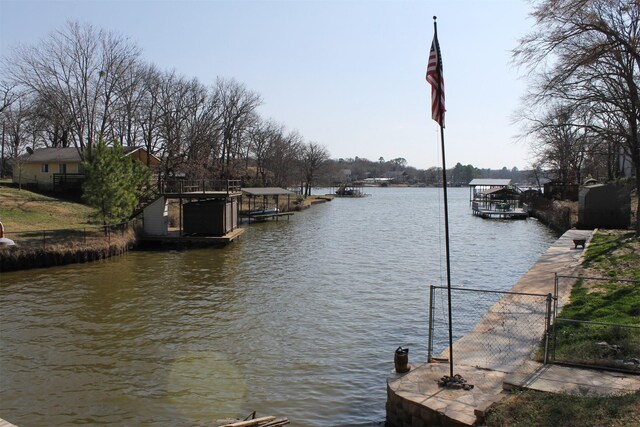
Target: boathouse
[478,187]
[496,198]
[208,212]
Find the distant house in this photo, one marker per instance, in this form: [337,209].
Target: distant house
[397,176]
[377,181]
[61,168]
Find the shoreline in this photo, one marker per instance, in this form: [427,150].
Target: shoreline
[18,258]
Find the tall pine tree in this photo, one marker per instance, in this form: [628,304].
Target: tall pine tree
[114,183]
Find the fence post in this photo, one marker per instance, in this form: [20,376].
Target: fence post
[554,334]
[109,236]
[430,342]
[84,236]
[547,328]
[44,239]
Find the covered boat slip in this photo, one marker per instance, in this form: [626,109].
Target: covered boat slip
[263,203]
[496,198]
[349,190]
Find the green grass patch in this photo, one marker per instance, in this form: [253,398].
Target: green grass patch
[614,255]
[613,301]
[23,210]
[608,302]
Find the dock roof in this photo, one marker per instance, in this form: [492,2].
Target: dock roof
[266,191]
[490,182]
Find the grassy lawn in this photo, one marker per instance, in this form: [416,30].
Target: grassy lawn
[22,210]
[614,255]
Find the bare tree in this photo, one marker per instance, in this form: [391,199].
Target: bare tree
[174,110]
[7,94]
[262,137]
[18,132]
[587,53]
[149,110]
[124,124]
[283,159]
[562,142]
[78,70]
[313,156]
[237,105]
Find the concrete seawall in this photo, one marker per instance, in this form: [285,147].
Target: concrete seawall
[415,399]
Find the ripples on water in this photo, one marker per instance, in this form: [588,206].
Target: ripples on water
[299,318]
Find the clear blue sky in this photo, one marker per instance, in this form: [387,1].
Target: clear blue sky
[346,74]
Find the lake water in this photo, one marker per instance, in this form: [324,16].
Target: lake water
[298,318]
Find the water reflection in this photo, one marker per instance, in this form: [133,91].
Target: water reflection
[299,318]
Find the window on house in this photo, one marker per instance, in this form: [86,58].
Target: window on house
[62,168]
[45,168]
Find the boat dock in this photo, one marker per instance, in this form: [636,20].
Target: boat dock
[499,213]
[263,217]
[496,199]
[175,237]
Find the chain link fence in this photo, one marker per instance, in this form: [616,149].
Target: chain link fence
[587,343]
[86,236]
[507,327]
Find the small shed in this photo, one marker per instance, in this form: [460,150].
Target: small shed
[604,206]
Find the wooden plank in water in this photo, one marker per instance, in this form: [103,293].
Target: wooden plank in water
[252,422]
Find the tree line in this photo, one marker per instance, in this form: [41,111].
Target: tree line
[360,168]
[582,109]
[82,84]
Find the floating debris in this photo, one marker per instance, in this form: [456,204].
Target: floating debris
[252,421]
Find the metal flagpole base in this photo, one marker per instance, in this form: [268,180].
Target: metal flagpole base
[455,381]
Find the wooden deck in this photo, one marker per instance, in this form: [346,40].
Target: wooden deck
[174,238]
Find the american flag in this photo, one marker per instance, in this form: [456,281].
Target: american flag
[436,80]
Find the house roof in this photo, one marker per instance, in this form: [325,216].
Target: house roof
[66,155]
[42,155]
[130,150]
[489,182]
[266,191]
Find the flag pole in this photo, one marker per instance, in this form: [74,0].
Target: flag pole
[446,209]
[435,78]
